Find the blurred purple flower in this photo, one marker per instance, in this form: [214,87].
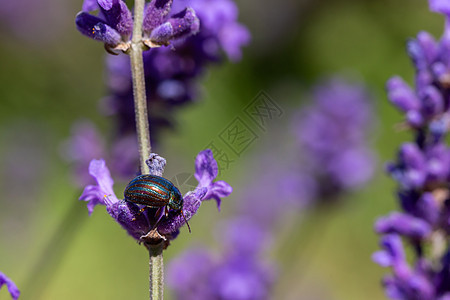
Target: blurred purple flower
[333,134]
[129,215]
[197,274]
[12,288]
[403,224]
[85,144]
[422,171]
[405,282]
[220,26]
[189,275]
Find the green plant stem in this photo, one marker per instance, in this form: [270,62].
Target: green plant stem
[139,93]
[156,272]
[143,136]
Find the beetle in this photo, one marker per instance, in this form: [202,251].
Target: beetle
[157,192]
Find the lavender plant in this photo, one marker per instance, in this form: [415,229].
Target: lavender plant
[12,288]
[422,173]
[151,27]
[332,137]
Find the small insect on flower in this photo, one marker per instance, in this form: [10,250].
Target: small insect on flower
[157,192]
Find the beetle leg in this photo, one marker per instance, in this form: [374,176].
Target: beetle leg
[159,214]
[167,211]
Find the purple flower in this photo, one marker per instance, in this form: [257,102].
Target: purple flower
[404,225]
[332,134]
[422,171]
[405,282]
[206,170]
[180,25]
[243,236]
[188,274]
[128,214]
[115,26]
[12,288]
[219,22]
[84,145]
[440,6]
[198,274]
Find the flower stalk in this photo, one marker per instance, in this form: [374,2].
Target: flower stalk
[156,262]
[139,94]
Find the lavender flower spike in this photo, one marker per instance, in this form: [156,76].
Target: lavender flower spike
[138,223]
[12,288]
[422,171]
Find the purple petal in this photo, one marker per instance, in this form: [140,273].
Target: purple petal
[403,224]
[414,118]
[440,6]
[429,46]
[12,288]
[97,29]
[103,192]
[206,168]
[89,5]
[432,101]
[93,196]
[412,156]
[393,289]
[401,95]
[394,251]
[428,208]
[233,38]
[185,23]
[421,287]
[156,14]
[117,15]
[162,34]
[181,25]
[383,258]
[446,296]
[218,190]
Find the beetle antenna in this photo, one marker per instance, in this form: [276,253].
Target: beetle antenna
[189,227]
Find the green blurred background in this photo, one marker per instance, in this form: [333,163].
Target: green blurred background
[52,76]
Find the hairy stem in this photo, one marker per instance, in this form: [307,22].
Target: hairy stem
[143,135]
[140,101]
[156,271]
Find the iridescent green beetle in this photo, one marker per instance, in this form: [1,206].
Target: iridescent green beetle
[155,191]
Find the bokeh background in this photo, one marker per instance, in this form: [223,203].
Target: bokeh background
[51,76]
